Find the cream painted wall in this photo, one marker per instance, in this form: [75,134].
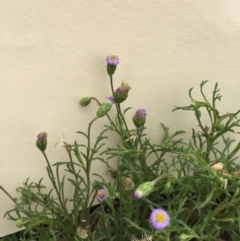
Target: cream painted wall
[52,53]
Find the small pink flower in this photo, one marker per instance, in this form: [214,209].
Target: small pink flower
[159,219]
[141,114]
[112,60]
[42,136]
[102,195]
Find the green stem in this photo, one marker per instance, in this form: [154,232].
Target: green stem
[88,165]
[8,194]
[144,164]
[105,225]
[117,106]
[88,161]
[75,207]
[111,82]
[234,152]
[5,191]
[123,119]
[52,178]
[50,169]
[139,138]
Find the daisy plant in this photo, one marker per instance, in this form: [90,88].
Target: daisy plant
[174,190]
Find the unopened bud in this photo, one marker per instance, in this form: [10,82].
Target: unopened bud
[168,185]
[217,167]
[139,118]
[105,107]
[220,126]
[41,142]
[147,187]
[144,189]
[21,222]
[85,101]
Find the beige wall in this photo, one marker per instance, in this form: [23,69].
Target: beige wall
[52,53]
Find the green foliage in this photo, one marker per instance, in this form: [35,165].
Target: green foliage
[203,202]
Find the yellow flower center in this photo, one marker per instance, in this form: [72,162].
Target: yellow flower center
[160,218]
[101,194]
[113,57]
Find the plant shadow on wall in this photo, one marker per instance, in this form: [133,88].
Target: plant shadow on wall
[194,195]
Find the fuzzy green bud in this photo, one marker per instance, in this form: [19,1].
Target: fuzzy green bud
[144,189]
[21,222]
[220,179]
[41,142]
[147,187]
[168,185]
[105,107]
[85,101]
[220,126]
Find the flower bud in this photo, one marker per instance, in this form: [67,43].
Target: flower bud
[121,93]
[41,142]
[102,195]
[217,166]
[139,118]
[112,62]
[128,184]
[144,189]
[105,107]
[221,180]
[220,126]
[168,185]
[21,222]
[85,101]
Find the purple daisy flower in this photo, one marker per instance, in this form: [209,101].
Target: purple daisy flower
[159,219]
[141,114]
[42,136]
[112,60]
[41,142]
[102,195]
[140,117]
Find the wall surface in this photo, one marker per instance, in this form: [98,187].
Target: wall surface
[53,53]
